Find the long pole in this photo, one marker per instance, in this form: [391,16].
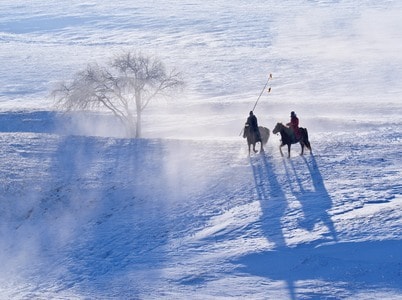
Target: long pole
[269,90]
[262,91]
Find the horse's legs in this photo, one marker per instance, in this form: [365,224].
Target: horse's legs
[305,140]
[289,150]
[302,148]
[308,145]
[255,151]
[280,149]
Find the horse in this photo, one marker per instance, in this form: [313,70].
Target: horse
[252,137]
[286,135]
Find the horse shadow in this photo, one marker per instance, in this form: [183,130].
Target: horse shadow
[346,268]
[311,193]
[306,186]
[272,199]
[272,190]
[307,267]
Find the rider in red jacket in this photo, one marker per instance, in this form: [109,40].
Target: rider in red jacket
[294,125]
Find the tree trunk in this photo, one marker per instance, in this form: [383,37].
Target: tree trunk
[138,128]
[131,127]
[139,113]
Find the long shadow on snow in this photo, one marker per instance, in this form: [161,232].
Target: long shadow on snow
[272,199]
[314,197]
[344,267]
[349,266]
[113,210]
[53,122]
[28,121]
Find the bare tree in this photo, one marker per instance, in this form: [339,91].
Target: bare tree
[125,88]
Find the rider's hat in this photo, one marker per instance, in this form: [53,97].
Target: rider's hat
[292,114]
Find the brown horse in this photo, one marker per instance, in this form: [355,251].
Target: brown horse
[252,137]
[287,134]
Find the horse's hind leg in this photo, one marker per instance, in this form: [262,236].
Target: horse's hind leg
[308,145]
[255,151]
[262,148]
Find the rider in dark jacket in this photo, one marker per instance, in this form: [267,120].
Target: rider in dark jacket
[253,123]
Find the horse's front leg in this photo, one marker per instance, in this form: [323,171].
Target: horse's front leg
[289,150]
[302,148]
[255,151]
[280,149]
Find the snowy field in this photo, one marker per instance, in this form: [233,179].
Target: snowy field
[184,213]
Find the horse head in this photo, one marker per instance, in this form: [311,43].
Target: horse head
[279,126]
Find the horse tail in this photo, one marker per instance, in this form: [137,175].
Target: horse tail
[306,140]
[264,134]
[305,129]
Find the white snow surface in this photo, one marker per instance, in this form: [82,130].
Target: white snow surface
[184,213]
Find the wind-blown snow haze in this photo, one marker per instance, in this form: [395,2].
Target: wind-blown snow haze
[184,212]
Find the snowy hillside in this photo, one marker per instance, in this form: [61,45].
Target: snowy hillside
[153,218]
[184,213]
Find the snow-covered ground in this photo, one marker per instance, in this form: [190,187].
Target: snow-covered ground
[184,213]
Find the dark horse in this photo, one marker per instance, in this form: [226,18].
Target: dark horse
[286,135]
[252,137]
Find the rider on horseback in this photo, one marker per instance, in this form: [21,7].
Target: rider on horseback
[253,123]
[294,125]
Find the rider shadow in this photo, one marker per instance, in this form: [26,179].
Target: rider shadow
[313,198]
[278,263]
[312,269]
[272,200]
[273,205]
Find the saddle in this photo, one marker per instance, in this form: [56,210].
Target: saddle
[257,135]
[294,139]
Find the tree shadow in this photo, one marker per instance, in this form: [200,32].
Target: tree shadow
[95,215]
[347,267]
[121,214]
